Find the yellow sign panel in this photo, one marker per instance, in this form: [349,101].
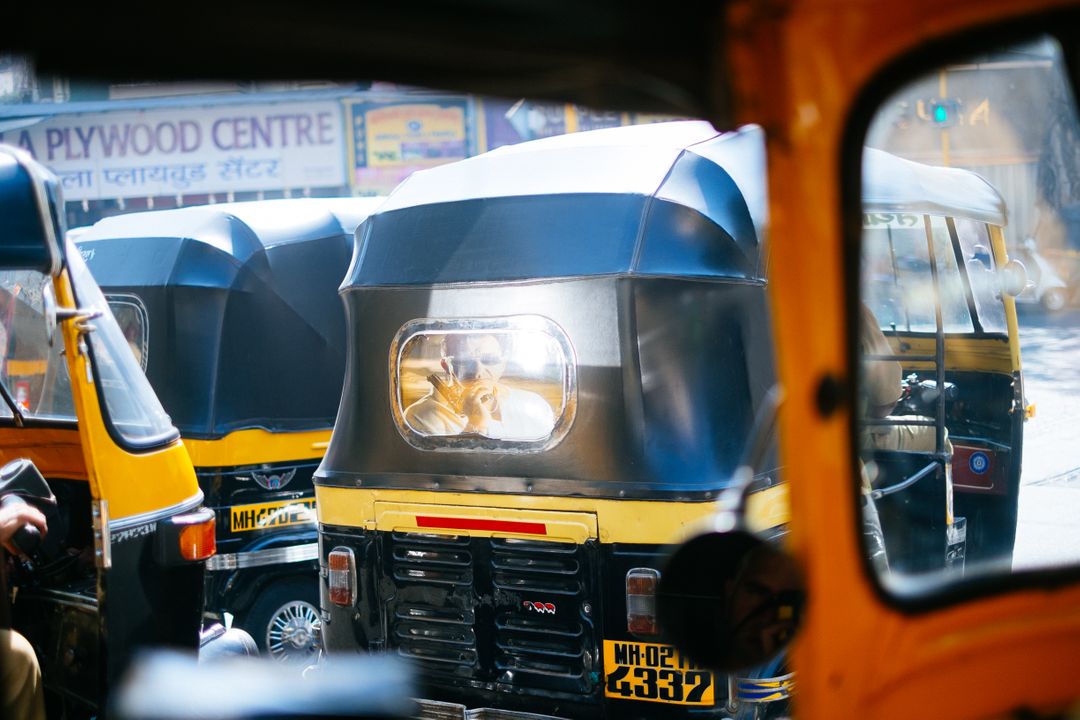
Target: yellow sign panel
[244,518]
[655,673]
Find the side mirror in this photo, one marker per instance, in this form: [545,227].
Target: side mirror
[729,600]
[1014,278]
[29,203]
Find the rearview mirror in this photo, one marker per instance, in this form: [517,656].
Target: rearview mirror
[1014,279]
[29,202]
[730,600]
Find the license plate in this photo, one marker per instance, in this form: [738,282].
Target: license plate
[654,673]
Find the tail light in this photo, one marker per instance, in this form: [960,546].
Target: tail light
[342,576]
[197,539]
[641,601]
[186,538]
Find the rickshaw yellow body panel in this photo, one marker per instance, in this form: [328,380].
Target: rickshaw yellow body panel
[797,68]
[610,521]
[55,452]
[984,354]
[132,483]
[251,447]
[568,526]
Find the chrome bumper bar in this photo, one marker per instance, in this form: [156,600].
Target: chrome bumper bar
[259,558]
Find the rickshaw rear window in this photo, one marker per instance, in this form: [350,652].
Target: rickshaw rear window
[130,314]
[496,384]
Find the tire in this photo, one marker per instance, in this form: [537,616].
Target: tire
[284,621]
[1054,299]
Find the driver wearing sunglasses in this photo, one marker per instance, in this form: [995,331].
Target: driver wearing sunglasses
[472,397]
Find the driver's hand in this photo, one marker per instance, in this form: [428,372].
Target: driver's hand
[478,404]
[13,517]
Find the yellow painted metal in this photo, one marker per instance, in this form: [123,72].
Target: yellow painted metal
[768,508]
[965,353]
[616,520]
[556,526]
[57,453]
[251,447]
[132,483]
[797,68]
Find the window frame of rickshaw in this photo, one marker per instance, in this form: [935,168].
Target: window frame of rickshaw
[875,91]
[80,278]
[133,301]
[483,325]
[926,237]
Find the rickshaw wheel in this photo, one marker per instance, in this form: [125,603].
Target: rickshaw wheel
[285,622]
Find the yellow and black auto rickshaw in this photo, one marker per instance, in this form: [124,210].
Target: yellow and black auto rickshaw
[933,258]
[121,566]
[556,353]
[234,313]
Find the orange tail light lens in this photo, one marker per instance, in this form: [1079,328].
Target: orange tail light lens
[641,601]
[197,538]
[342,576]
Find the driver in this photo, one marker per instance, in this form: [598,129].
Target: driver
[21,693]
[473,398]
[882,390]
[764,600]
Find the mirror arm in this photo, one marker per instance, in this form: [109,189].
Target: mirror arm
[756,447]
[16,412]
[79,315]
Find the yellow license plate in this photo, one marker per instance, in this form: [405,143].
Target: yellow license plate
[654,673]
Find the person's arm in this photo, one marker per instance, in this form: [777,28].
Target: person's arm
[13,517]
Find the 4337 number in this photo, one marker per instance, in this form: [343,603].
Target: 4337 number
[661,685]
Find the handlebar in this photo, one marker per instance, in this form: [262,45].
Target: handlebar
[26,539]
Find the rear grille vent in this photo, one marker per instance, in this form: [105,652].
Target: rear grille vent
[432,620]
[493,610]
[544,638]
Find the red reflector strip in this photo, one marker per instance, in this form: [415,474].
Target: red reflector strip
[452,523]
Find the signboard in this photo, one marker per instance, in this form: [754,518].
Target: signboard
[392,139]
[188,150]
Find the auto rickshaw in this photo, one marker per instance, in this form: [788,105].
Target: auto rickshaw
[942,388]
[233,311]
[85,438]
[933,251]
[556,353]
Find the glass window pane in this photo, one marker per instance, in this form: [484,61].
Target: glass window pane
[34,372]
[465,382]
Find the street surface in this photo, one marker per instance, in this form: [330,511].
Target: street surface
[1048,530]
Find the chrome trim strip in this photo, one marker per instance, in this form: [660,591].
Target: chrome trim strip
[439,710]
[259,558]
[135,520]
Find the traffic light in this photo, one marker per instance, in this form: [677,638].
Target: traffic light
[944,112]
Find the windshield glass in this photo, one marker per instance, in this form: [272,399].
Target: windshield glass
[133,409]
[33,371]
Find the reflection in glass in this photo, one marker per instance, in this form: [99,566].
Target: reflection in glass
[966,452]
[131,317]
[33,371]
[498,385]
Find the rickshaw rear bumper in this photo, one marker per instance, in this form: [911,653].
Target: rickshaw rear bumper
[437,710]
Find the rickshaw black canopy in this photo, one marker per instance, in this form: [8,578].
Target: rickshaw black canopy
[641,243]
[245,326]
